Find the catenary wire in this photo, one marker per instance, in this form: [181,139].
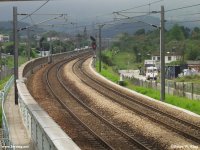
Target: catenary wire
[35,10]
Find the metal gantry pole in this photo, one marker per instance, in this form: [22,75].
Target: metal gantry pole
[100,27]
[50,52]
[29,44]
[15,38]
[1,56]
[162,55]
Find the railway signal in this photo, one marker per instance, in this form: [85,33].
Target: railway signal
[94,45]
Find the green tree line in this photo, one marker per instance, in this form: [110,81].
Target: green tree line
[179,39]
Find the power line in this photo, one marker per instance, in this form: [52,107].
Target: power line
[153,25]
[182,7]
[23,14]
[154,2]
[124,11]
[135,26]
[129,12]
[183,15]
[183,21]
[35,10]
[128,17]
[40,23]
[54,25]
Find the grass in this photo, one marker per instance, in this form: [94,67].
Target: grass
[188,104]
[108,72]
[1,118]
[192,78]
[125,60]
[10,61]
[10,64]
[3,82]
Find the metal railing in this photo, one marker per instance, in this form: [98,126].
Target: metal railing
[6,141]
[40,127]
[37,131]
[6,72]
[183,89]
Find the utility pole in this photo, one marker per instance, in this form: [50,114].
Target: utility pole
[50,52]
[100,47]
[162,54]
[29,44]
[183,52]
[1,56]
[15,38]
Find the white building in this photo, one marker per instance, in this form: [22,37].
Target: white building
[169,57]
[44,53]
[52,39]
[4,38]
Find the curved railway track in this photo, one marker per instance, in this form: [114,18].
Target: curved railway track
[178,125]
[101,133]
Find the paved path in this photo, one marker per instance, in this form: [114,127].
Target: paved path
[18,132]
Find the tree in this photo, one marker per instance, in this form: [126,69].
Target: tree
[9,48]
[192,54]
[196,33]
[186,31]
[176,33]
[140,32]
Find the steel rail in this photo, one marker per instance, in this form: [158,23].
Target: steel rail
[139,144]
[171,127]
[105,144]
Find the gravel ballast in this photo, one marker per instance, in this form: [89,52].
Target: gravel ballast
[145,127]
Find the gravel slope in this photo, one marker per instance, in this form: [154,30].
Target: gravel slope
[143,126]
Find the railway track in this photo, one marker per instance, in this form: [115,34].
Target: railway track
[101,133]
[178,125]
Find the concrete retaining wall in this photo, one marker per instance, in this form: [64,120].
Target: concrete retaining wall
[42,129]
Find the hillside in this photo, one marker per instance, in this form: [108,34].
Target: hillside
[7,26]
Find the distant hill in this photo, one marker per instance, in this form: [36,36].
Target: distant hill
[131,26]
[7,26]
[109,31]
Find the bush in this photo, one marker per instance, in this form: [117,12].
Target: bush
[122,83]
[107,60]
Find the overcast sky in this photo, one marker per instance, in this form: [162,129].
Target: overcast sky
[94,10]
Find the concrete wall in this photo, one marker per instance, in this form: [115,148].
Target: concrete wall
[45,133]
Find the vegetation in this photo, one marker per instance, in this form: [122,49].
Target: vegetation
[143,43]
[9,61]
[3,82]
[193,79]
[108,72]
[1,117]
[80,40]
[188,104]
[130,51]
[191,105]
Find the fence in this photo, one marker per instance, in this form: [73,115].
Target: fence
[41,128]
[5,129]
[184,89]
[6,72]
